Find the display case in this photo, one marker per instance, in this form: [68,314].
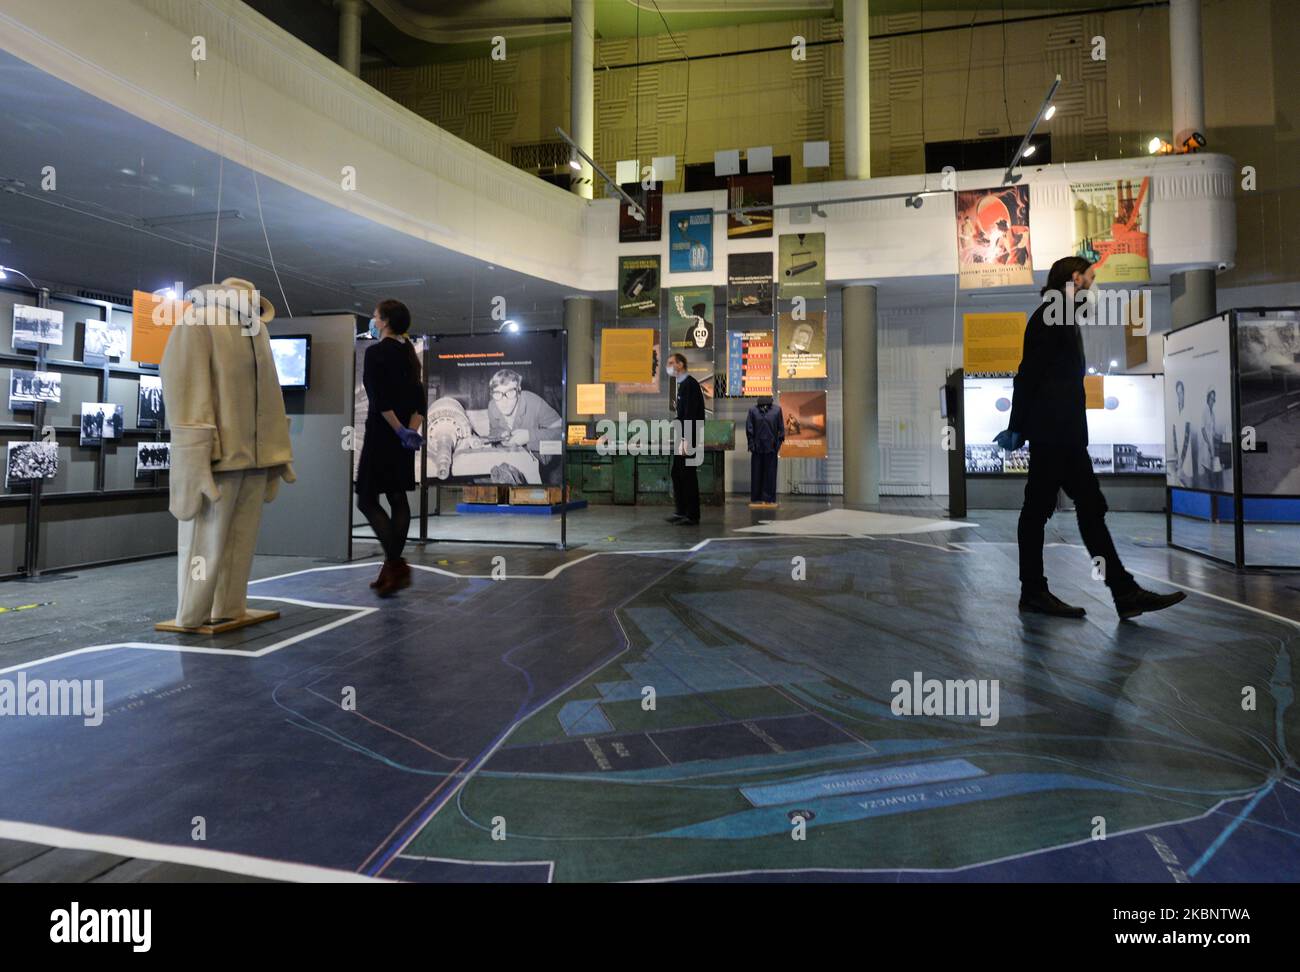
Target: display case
[1232,437]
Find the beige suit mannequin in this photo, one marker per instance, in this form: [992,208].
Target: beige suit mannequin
[230,444]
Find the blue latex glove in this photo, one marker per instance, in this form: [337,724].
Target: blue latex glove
[1011,441]
[410,438]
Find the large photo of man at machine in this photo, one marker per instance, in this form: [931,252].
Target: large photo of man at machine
[495,409]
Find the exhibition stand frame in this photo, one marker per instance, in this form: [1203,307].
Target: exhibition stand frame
[1204,357]
[34,496]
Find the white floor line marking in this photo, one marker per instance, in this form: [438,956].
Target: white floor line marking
[550,865]
[357,613]
[263,867]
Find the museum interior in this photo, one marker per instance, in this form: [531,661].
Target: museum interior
[539,441]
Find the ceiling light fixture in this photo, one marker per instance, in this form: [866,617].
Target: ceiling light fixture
[5,271]
[613,186]
[1045,111]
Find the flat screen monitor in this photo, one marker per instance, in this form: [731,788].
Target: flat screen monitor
[292,354]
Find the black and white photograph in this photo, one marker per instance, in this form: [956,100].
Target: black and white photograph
[117,342]
[36,325]
[1268,369]
[495,407]
[94,343]
[100,421]
[152,457]
[31,460]
[1198,407]
[26,388]
[149,412]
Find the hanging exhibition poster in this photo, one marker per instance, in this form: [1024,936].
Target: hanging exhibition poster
[1198,407]
[801,345]
[745,191]
[31,460]
[993,238]
[151,319]
[100,421]
[26,388]
[1111,227]
[749,363]
[992,343]
[805,424]
[651,385]
[651,201]
[690,240]
[638,287]
[749,285]
[496,403]
[1123,434]
[691,328]
[36,325]
[1268,373]
[627,354]
[801,266]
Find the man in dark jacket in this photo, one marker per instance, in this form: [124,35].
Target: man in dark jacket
[690,422]
[1048,410]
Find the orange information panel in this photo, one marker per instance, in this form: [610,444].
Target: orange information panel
[1094,391]
[151,320]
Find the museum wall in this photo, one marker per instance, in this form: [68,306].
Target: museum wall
[940,86]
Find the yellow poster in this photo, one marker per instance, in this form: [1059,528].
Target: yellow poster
[591,399]
[993,343]
[627,354]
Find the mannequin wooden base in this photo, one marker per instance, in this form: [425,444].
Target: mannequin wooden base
[251,616]
[762,506]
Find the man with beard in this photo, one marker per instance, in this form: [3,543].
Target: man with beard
[1048,410]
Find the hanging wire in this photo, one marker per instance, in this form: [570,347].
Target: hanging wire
[257,189]
[687,124]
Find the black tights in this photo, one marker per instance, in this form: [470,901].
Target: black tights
[390,528]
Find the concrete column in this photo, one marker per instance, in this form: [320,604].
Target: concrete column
[1185,73]
[350,13]
[859,378]
[579,321]
[857,91]
[1192,297]
[582,91]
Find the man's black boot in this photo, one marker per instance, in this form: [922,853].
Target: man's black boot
[1138,601]
[1045,602]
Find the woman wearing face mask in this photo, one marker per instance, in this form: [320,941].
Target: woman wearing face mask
[391,376]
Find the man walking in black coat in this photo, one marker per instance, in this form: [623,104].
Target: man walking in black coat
[1048,410]
[690,421]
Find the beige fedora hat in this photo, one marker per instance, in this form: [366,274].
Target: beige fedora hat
[266,308]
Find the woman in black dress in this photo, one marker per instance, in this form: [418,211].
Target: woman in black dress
[391,376]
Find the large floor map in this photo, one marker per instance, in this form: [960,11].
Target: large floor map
[688,715]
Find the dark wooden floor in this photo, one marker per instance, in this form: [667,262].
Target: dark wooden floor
[23,863]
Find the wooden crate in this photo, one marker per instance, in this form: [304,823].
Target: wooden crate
[491,494]
[534,495]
